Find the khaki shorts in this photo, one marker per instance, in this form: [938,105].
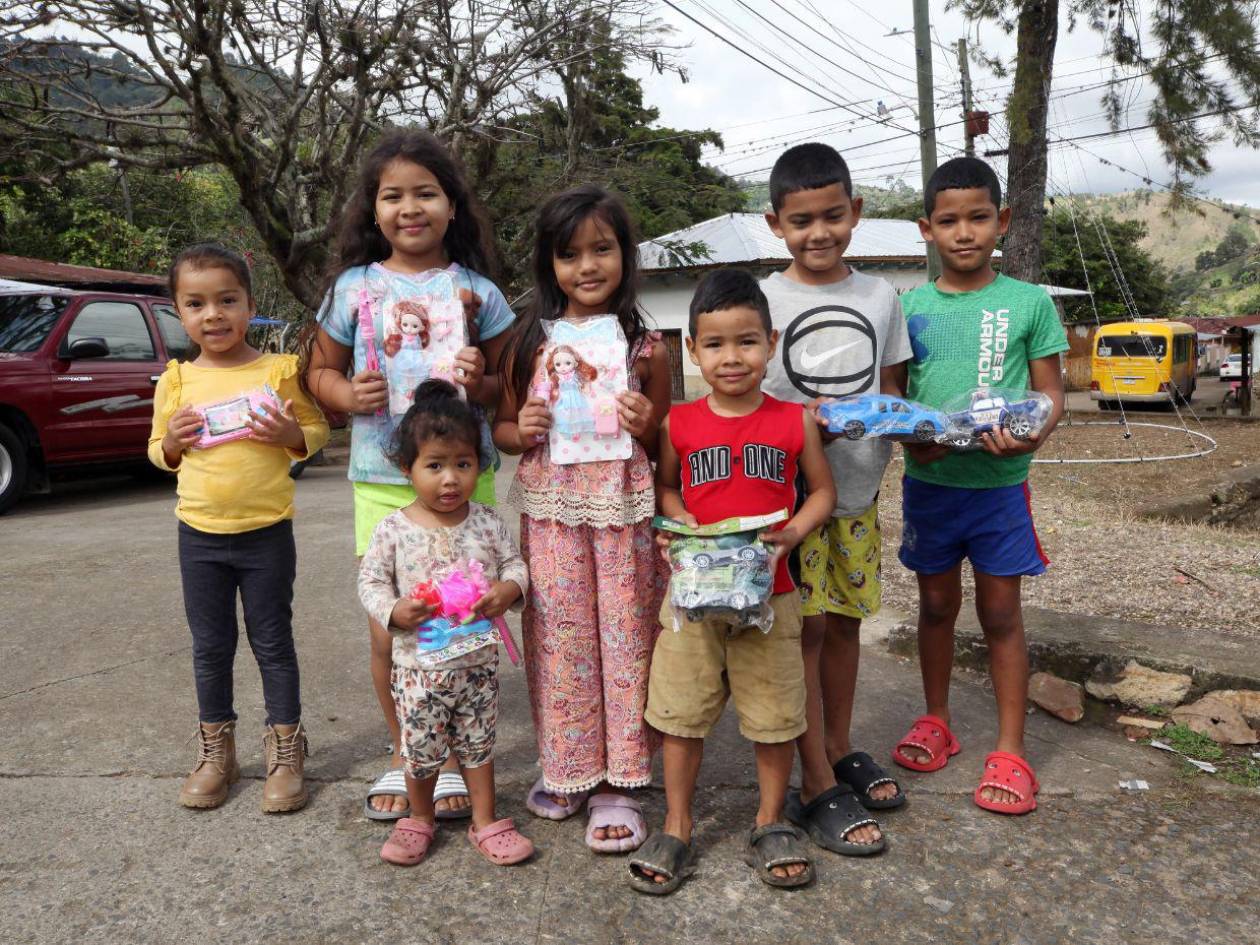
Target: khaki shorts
[695,670]
[840,567]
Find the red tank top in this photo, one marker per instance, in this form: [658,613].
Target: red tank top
[739,465]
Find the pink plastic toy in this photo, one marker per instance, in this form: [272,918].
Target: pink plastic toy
[606,420]
[228,420]
[542,390]
[367,331]
[454,597]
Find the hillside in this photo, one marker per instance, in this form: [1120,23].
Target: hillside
[1174,238]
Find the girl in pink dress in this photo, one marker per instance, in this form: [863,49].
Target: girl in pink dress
[597,581]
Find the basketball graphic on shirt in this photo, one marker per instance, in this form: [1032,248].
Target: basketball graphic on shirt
[830,351]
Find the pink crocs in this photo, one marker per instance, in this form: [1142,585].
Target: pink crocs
[408,843]
[501,843]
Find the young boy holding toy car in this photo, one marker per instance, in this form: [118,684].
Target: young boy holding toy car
[841,334]
[974,328]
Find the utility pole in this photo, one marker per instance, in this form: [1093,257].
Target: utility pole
[964,75]
[927,112]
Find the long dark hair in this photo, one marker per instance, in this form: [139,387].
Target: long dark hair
[468,239]
[557,221]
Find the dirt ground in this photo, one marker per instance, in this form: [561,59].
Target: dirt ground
[1106,559]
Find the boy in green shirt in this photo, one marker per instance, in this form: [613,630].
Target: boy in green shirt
[975,328]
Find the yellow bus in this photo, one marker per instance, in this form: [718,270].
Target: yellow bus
[1144,360]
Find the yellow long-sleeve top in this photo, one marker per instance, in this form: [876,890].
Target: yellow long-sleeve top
[243,484]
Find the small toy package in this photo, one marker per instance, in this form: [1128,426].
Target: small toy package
[228,420]
[583,370]
[423,330]
[867,416]
[1021,413]
[721,570]
[457,629]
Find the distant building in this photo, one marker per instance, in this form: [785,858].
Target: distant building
[891,249]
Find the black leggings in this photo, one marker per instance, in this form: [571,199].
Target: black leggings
[261,564]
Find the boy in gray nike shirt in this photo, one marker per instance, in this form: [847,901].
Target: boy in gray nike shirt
[841,332]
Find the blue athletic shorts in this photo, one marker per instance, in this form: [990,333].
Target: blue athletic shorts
[941,525]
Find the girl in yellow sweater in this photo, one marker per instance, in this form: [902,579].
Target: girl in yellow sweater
[228,423]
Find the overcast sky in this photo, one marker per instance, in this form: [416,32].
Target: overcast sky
[759,113]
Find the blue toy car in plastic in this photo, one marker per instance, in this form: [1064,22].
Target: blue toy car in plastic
[890,418]
[990,412]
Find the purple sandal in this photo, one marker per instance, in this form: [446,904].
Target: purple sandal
[540,805]
[615,810]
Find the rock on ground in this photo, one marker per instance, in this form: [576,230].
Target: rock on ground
[1246,701]
[1217,719]
[1139,685]
[1059,697]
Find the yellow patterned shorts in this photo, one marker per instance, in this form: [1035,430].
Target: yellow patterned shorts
[840,567]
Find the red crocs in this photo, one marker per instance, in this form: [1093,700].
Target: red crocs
[930,734]
[1010,773]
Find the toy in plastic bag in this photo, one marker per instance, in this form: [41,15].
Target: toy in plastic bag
[1021,413]
[865,416]
[721,570]
[227,420]
[423,330]
[456,629]
[583,370]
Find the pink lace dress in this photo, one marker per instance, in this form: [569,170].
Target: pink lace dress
[591,617]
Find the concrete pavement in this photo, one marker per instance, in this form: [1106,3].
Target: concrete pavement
[96,706]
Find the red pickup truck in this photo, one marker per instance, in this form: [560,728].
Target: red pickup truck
[77,372]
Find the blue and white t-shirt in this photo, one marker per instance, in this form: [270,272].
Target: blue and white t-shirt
[371,433]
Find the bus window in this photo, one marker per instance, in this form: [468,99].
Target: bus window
[1132,346]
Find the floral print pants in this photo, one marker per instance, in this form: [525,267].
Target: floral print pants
[589,627]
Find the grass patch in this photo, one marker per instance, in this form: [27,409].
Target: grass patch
[1234,768]
[1242,771]
[1191,743]
[1243,569]
[1159,711]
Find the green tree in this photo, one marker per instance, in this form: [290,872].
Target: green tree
[658,171]
[1189,44]
[1066,265]
[1233,245]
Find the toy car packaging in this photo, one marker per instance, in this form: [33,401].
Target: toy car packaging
[1021,413]
[721,570]
[455,629]
[866,416]
[582,371]
[419,334]
[228,420]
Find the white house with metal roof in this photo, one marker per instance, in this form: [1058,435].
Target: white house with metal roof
[891,249]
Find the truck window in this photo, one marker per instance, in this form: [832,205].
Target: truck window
[123,327]
[26,320]
[178,344]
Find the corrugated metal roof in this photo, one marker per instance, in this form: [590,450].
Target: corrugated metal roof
[25,269]
[744,238]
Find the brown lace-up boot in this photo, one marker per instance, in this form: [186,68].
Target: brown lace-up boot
[207,785]
[285,749]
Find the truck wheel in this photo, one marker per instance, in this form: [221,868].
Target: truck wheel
[924,431]
[854,429]
[1019,426]
[13,468]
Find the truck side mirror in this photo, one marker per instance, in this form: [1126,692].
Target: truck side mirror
[84,348]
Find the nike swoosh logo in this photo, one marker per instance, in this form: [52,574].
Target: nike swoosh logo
[809,361]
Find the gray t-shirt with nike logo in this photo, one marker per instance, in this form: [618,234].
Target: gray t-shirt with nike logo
[833,339]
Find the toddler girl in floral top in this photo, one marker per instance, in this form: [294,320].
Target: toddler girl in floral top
[443,704]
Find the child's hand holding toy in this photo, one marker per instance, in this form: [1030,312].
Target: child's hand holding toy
[182,433]
[409,613]
[278,428]
[495,602]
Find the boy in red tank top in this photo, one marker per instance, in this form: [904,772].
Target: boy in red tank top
[734,452]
